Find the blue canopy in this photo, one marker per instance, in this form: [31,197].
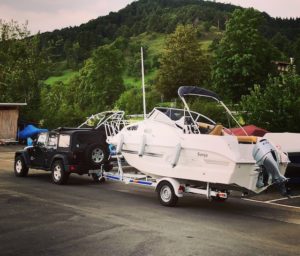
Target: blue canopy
[29,131]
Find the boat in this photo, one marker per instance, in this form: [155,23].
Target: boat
[192,148]
[289,143]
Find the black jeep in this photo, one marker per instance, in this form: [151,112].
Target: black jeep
[64,151]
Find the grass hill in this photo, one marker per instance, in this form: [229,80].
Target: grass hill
[147,23]
[153,44]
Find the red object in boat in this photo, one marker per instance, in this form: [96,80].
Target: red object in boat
[251,130]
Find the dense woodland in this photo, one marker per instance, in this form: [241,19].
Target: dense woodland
[68,74]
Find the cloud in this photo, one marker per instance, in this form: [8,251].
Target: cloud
[275,8]
[48,15]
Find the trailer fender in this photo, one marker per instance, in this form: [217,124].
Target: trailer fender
[175,183]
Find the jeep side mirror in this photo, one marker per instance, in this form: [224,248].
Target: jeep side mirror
[34,142]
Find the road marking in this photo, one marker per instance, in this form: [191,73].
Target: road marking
[272,203]
[283,198]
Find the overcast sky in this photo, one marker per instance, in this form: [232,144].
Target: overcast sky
[47,15]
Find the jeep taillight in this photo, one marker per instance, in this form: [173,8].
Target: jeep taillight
[72,168]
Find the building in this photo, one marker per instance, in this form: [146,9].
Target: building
[283,66]
[9,114]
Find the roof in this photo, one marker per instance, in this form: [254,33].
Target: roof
[71,130]
[12,104]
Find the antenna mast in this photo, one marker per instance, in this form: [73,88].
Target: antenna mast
[143,83]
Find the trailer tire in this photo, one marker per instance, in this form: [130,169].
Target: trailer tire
[97,178]
[166,194]
[218,199]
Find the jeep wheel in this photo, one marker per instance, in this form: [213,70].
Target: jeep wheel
[20,168]
[58,174]
[97,154]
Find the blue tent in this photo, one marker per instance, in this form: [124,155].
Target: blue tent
[29,131]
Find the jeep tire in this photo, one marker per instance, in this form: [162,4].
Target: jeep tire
[97,155]
[58,174]
[20,168]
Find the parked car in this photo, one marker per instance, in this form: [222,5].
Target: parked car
[65,151]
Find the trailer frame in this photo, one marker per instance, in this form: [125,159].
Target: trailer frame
[168,189]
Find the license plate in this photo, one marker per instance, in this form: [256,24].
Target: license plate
[94,171]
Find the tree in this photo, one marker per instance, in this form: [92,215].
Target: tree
[282,44]
[131,101]
[96,88]
[182,63]
[22,66]
[59,104]
[275,108]
[243,56]
[297,55]
[101,80]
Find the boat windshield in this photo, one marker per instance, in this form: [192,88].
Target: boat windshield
[176,114]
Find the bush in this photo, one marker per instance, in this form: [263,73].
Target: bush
[275,108]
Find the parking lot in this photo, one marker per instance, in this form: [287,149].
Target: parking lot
[86,218]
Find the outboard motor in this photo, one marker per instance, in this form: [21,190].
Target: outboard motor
[266,156]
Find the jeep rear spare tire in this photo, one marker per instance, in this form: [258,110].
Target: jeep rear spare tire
[97,154]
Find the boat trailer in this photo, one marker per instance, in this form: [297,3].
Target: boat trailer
[168,189]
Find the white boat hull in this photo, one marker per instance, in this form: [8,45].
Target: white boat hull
[158,150]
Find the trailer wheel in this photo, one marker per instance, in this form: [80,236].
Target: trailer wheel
[166,194]
[218,199]
[97,178]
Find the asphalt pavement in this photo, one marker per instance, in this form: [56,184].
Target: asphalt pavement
[86,218]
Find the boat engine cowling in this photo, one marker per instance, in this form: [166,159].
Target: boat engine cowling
[266,155]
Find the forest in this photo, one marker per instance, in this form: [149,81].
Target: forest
[69,74]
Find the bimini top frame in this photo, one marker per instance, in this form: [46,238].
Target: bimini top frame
[201,92]
[100,119]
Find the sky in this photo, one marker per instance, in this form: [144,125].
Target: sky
[48,15]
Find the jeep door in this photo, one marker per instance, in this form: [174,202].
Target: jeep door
[38,151]
[51,149]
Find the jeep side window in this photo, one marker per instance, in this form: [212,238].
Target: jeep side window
[52,141]
[64,141]
[41,141]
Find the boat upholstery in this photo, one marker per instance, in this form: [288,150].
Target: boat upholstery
[205,125]
[247,139]
[217,130]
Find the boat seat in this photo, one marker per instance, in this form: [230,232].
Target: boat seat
[217,130]
[205,128]
[204,125]
[247,139]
